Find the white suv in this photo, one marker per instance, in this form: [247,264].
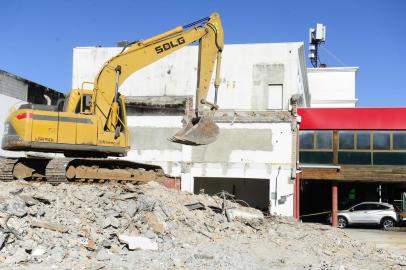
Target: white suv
[383,214]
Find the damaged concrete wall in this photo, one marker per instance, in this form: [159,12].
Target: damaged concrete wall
[11,87]
[243,157]
[25,90]
[243,150]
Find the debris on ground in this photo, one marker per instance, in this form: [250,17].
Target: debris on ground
[125,226]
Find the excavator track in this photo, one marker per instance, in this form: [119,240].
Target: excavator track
[55,171]
[59,170]
[6,168]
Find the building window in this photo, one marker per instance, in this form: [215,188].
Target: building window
[399,140]
[275,97]
[363,140]
[346,139]
[354,157]
[306,140]
[324,139]
[381,140]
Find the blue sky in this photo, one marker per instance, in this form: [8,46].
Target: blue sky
[37,37]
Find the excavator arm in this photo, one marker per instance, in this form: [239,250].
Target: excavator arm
[208,32]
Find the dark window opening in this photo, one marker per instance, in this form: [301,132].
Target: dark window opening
[306,140]
[346,139]
[316,157]
[389,158]
[399,140]
[86,102]
[363,140]
[358,158]
[381,140]
[324,139]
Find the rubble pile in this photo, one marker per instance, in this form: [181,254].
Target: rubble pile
[124,226]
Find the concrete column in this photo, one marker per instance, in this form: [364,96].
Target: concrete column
[296,198]
[334,203]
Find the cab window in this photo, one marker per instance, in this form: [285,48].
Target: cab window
[86,104]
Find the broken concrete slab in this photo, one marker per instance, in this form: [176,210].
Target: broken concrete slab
[235,213]
[106,243]
[90,244]
[15,207]
[38,251]
[16,191]
[49,226]
[111,221]
[28,200]
[138,242]
[127,196]
[156,225]
[42,199]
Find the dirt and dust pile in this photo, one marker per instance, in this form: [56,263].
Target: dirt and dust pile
[123,226]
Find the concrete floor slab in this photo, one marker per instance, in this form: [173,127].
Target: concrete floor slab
[393,241]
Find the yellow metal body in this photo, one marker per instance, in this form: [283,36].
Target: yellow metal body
[94,121]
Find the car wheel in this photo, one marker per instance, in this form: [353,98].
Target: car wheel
[342,222]
[387,223]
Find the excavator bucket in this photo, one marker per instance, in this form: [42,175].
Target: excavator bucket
[198,131]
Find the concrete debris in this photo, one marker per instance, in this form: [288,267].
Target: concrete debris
[111,221]
[16,191]
[38,251]
[14,207]
[49,226]
[3,239]
[138,242]
[90,244]
[153,222]
[28,200]
[195,206]
[127,196]
[118,226]
[235,213]
[106,243]
[203,257]
[19,256]
[41,199]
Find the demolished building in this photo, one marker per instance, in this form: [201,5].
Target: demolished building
[254,157]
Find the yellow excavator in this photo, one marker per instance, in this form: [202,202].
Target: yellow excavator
[91,125]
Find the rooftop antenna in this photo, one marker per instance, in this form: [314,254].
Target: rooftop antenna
[317,36]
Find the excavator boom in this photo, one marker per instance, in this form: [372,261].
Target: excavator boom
[208,32]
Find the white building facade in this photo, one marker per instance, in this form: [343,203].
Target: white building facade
[332,86]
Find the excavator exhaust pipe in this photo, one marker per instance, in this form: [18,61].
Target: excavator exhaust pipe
[198,131]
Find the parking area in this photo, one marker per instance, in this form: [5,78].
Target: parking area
[393,241]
